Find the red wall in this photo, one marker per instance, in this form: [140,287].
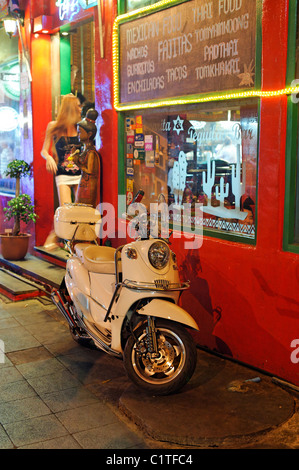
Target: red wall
[42,115]
[245,298]
[107,137]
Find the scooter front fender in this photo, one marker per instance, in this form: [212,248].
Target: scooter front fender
[168,310]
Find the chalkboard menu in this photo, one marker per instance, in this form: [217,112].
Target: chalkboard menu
[195,47]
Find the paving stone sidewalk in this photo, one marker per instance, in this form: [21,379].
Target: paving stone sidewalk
[53,393]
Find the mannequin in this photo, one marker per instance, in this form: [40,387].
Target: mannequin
[88,161]
[61,140]
[63,133]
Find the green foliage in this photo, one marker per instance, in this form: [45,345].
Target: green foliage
[17,169]
[20,207]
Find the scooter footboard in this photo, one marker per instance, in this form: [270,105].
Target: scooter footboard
[168,310]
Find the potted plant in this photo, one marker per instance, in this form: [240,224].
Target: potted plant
[14,245]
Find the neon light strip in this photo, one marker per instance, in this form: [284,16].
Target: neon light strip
[205,99]
[174,101]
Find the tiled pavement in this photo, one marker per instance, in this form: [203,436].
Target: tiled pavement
[55,394]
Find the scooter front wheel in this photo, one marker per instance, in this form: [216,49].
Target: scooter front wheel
[171,369]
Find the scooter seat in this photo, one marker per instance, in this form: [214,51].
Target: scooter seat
[96,259]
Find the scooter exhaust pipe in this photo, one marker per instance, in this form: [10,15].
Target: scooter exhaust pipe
[57,300]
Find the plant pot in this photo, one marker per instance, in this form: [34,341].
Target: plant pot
[14,247]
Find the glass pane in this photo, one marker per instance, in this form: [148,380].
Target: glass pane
[135,4]
[10,136]
[199,155]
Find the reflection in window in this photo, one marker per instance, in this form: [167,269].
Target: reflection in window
[135,4]
[199,156]
[9,121]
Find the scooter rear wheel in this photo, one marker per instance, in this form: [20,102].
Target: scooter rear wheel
[172,369]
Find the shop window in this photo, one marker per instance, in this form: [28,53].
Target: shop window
[10,136]
[202,155]
[135,4]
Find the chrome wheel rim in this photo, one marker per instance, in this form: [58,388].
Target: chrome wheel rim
[169,364]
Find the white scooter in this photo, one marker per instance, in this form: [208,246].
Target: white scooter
[125,301]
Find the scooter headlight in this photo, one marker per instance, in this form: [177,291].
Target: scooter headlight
[158,255]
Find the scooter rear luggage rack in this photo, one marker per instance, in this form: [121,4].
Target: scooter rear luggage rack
[157,285]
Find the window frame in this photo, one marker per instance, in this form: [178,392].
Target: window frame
[292,137]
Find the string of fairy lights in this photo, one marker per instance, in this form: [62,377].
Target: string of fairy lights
[181,100]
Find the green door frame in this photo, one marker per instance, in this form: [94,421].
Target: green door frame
[65,71]
[291,139]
